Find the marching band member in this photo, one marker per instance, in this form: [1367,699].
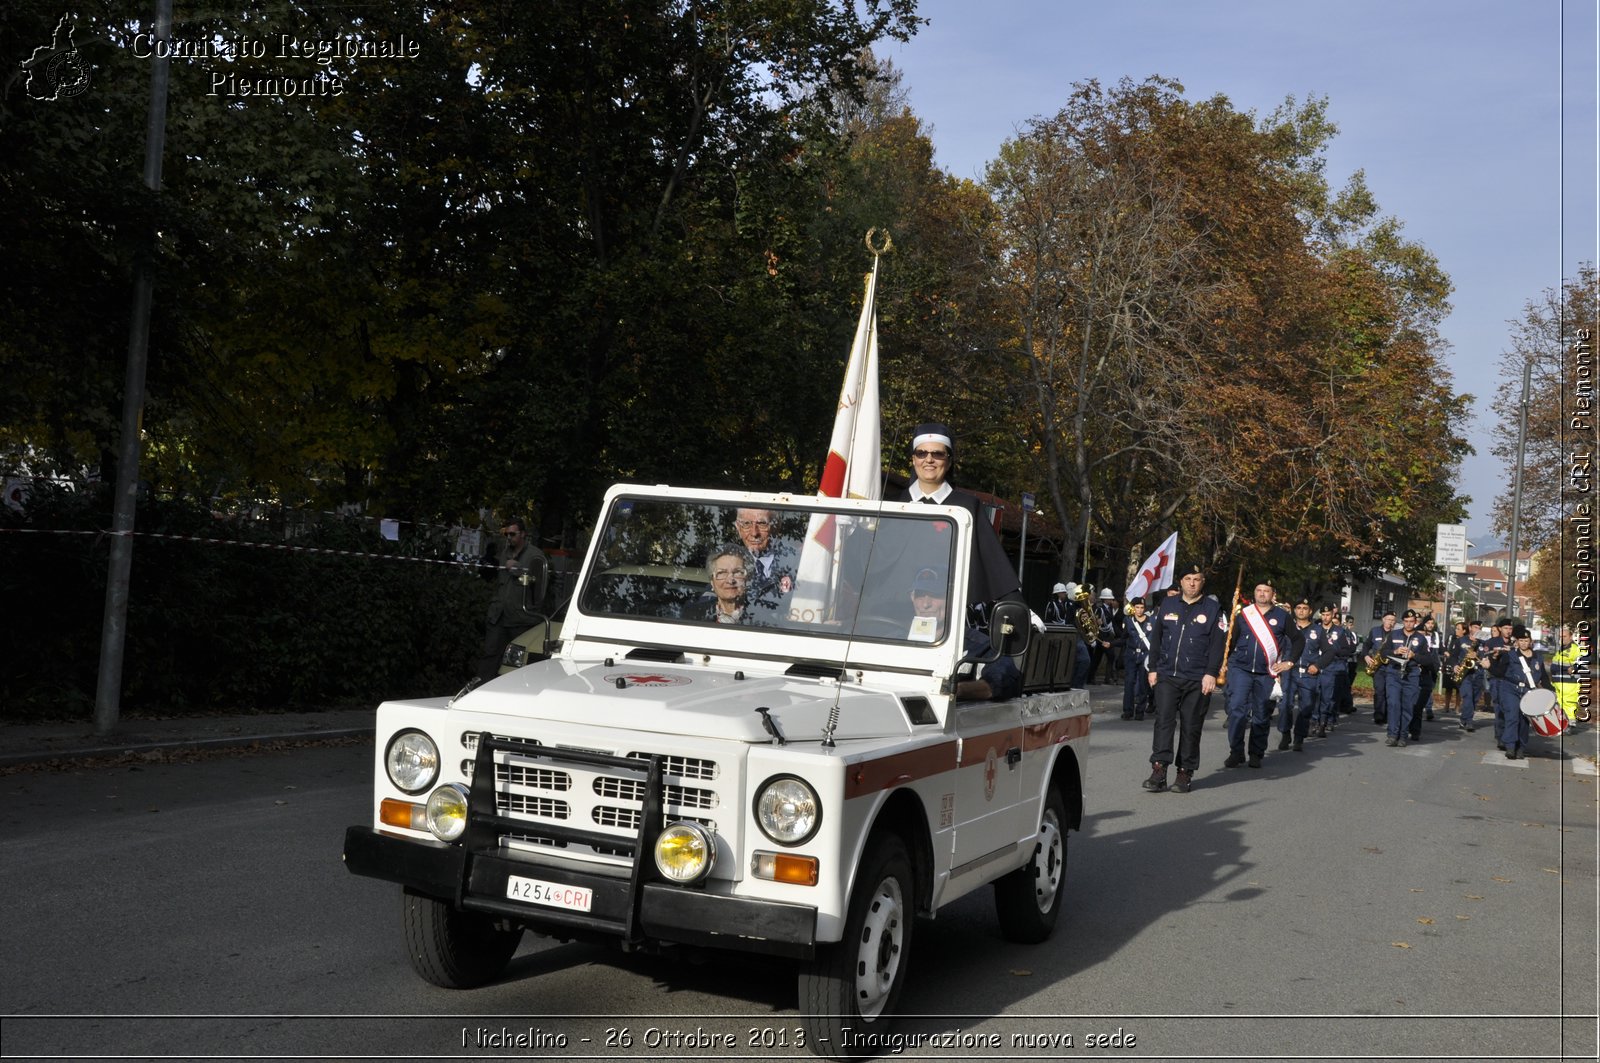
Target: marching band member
[1376,638]
[1521,670]
[1429,678]
[1501,692]
[1140,632]
[1470,686]
[1332,671]
[1407,651]
[1311,685]
[1260,654]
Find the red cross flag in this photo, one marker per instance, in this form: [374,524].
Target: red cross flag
[1156,572]
[854,465]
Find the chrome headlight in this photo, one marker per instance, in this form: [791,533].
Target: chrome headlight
[685,852]
[412,760]
[788,810]
[447,811]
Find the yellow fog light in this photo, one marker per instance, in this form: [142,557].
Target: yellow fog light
[685,852]
[447,811]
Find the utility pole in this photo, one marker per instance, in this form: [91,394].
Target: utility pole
[113,631]
[1516,490]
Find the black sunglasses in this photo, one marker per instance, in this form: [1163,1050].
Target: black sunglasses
[926,454]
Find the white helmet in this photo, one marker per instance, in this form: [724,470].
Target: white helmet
[1072,590]
[1059,588]
[1106,595]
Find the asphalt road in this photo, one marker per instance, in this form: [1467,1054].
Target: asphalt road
[1352,901]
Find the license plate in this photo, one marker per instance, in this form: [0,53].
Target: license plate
[549,894]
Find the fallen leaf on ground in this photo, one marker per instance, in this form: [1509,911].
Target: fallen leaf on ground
[1400,944]
[1472,897]
[1021,973]
[1497,878]
[1425,921]
[1463,917]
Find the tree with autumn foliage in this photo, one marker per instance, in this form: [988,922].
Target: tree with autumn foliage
[1207,338]
[1542,340]
[1555,339]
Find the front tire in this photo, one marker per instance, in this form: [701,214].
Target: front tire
[856,982]
[1028,900]
[452,949]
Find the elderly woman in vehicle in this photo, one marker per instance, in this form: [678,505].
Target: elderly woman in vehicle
[729,569]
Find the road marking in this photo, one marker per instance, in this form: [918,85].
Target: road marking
[1582,766]
[1498,759]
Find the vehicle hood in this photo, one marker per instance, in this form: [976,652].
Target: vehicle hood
[697,702]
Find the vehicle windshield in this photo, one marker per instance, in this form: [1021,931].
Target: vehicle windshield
[780,569]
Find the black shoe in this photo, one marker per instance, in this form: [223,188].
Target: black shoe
[1514,752]
[1401,743]
[1182,785]
[1158,779]
[1468,728]
[1283,743]
[1299,745]
[1235,759]
[1127,716]
[1138,716]
[1501,746]
[1428,718]
[1391,741]
[1254,761]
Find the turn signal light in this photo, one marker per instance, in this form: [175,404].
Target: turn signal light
[785,867]
[396,813]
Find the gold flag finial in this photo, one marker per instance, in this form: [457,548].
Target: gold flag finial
[885,247]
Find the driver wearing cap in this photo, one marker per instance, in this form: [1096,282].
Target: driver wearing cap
[1000,678]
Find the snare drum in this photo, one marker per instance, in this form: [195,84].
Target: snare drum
[1544,715]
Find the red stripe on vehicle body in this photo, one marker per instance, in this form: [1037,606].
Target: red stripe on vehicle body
[870,776]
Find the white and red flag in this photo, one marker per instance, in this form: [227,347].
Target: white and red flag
[1156,572]
[854,465]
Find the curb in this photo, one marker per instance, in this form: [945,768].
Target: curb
[102,752]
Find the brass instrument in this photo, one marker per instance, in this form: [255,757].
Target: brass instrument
[1378,661]
[1088,623]
[1467,665]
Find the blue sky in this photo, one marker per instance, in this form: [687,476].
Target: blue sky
[1475,121]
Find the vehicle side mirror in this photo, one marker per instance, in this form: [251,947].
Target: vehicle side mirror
[1010,627]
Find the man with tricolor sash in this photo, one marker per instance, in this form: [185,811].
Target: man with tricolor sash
[1260,653]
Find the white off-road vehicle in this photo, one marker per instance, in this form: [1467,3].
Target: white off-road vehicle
[803,782]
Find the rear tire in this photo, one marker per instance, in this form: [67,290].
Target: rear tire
[1028,900]
[452,949]
[856,982]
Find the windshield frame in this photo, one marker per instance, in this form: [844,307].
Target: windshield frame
[588,621]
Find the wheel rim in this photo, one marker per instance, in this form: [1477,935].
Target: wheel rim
[1049,862]
[880,950]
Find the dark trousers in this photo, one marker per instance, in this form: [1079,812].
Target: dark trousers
[1426,683]
[495,638]
[1380,697]
[1400,687]
[1471,690]
[1344,701]
[1135,690]
[1179,706]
